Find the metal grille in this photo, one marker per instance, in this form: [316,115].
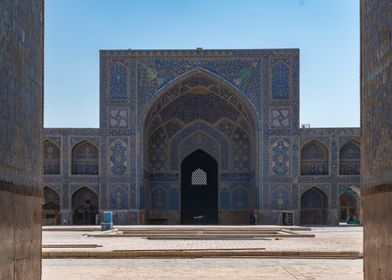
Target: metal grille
[199,177]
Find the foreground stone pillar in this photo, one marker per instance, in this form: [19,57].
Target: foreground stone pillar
[376,123]
[21,120]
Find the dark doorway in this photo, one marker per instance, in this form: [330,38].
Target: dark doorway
[51,208]
[199,189]
[314,207]
[85,207]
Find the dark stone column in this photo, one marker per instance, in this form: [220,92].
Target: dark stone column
[21,121]
[376,145]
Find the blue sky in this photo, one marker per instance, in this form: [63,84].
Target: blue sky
[325,31]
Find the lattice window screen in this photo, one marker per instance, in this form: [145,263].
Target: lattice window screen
[199,177]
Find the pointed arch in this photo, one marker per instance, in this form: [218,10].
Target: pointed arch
[51,207]
[52,158]
[198,110]
[314,207]
[84,206]
[222,88]
[207,130]
[85,159]
[349,158]
[199,189]
[314,159]
[350,204]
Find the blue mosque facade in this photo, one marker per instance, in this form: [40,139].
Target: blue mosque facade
[201,137]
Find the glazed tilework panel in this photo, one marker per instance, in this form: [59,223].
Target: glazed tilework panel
[199,141]
[174,198]
[314,159]
[280,157]
[280,83]
[75,187]
[234,196]
[239,197]
[51,158]
[205,129]
[85,159]
[161,196]
[132,197]
[233,82]
[225,198]
[118,198]
[118,156]
[280,118]
[236,176]
[199,96]
[154,73]
[118,81]
[118,118]
[349,163]
[159,199]
[241,150]
[280,197]
[158,150]
[206,106]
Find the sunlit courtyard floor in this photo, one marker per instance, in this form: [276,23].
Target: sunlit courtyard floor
[326,239]
[210,268]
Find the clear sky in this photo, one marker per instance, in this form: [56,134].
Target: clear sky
[325,31]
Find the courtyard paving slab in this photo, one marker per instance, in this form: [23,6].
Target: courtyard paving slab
[201,268]
[328,240]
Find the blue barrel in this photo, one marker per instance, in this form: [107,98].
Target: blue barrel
[106,226]
[107,223]
[107,216]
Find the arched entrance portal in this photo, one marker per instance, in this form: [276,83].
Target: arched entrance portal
[199,111]
[348,202]
[85,207]
[51,207]
[199,189]
[314,207]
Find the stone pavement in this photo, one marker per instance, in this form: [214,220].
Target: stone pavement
[184,269]
[328,239]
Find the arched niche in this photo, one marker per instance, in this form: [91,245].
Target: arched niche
[349,159]
[314,159]
[349,204]
[51,158]
[202,107]
[85,159]
[84,206]
[51,207]
[314,207]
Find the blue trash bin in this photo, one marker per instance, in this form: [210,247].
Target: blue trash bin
[107,223]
